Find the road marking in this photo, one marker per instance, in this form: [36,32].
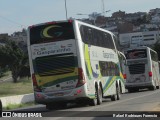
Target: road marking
[95,107]
[91,108]
[121,101]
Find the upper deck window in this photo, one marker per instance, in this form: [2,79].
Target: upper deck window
[51,32]
[135,54]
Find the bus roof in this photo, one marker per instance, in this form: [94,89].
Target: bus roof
[71,20]
[141,47]
[51,22]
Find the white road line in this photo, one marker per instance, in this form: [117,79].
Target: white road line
[121,101]
[117,102]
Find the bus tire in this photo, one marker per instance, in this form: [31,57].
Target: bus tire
[130,90]
[49,106]
[152,88]
[118,91]
[94,101]
[114,97]
[99,96]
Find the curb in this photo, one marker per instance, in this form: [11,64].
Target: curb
[18,99]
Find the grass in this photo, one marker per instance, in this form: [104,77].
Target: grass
[23,86]
[5,75]
[15,106]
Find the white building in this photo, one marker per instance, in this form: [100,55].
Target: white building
[136,39]
[156,19]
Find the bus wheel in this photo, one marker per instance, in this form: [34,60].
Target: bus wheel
[152,88]
[130,90]
[94,101]
[49,106]
[99,96]
[118,91]
[114,97]
[157,87]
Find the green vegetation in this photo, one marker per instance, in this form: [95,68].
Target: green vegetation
[23,86]
[5,75]
[15,106]
[14,57]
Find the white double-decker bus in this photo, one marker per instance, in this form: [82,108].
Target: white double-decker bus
[142,69]
[73,61]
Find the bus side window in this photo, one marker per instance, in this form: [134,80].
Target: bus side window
[99,39]
[95,37]
[86,34]
[109,41]
[90,37]
[107,44]
[82,32]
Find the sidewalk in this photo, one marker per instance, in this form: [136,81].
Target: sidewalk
[157,108]
[17,99]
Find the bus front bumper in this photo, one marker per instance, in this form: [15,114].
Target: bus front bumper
[70,95]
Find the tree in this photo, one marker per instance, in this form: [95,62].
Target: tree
[14,57]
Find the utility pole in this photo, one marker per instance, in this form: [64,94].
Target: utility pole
[103,8]
[66,8]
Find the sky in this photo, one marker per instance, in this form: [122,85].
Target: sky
[18,14]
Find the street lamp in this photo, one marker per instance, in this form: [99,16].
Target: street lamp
[66,8]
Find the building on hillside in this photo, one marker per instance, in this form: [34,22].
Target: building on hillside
[155,19]
[135,39]
[19,37]
[100,21]
[3,38]
[125,27]
[134,16]
[153,12]
[119,14]
[145,27]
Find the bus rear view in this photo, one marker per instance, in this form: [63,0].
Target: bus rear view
[54,62]
[141,69]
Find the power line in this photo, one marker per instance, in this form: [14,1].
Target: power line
[11,21]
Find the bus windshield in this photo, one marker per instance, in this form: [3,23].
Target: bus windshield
[135,54]
[51,32]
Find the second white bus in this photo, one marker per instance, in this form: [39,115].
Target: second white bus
[142,69]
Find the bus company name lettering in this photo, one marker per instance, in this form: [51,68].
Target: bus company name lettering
[108,55]
[61,50]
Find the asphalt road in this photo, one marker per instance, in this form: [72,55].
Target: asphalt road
[130,103]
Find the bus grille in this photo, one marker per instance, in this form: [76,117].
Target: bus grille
[55,65]
[137,68]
